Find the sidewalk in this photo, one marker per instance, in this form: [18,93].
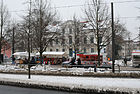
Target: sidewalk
[86,83]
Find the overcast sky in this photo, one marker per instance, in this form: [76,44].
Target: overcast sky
[127,11]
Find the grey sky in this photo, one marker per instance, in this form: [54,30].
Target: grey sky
[126,10]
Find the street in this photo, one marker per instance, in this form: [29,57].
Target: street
[19,90]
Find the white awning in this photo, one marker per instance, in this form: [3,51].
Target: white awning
[52,54]
[23,54]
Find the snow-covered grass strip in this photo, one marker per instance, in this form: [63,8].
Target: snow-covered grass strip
[115,84]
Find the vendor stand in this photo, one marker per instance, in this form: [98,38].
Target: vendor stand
[53,58]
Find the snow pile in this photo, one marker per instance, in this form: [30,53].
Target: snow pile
[58,68]
[8,68]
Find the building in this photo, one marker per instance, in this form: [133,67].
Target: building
[127,48]
[75,37]
[6,50]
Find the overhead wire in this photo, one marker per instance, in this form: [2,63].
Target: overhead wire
[69,6]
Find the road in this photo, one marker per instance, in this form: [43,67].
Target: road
[19,90]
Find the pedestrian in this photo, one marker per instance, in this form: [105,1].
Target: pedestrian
[13,62]
[79,61]
[25,61]
[125,61]
[72,61]
[32,61]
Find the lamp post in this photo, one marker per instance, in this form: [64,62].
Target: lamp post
[13,44]
[113,39]
[29,74]
[1,56]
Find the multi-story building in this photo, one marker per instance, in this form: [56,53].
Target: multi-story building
[127,48]
[136,45]
[79,39]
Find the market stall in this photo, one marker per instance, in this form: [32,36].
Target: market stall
[20,57]
[53,57]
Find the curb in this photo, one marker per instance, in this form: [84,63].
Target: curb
[90,74]
[67,89]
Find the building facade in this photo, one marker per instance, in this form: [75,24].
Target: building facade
[74,39]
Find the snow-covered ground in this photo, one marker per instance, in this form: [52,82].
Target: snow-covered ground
[121,84]
[45,68]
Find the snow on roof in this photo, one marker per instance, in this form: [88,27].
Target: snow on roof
[51,53]
[52,28]
[23,54]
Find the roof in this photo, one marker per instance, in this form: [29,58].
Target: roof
[23,54]
[51,53]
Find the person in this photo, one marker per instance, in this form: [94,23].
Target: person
[37,60]
[26,60]
[33,60]
[63,59]
[125,61]
[45,60]
[72,61]
[79,61]
[13,62]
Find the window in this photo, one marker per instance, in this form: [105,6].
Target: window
[92,50]
[70,40]
[63,41]
[57,50]
[70,52]
[85,50]
[104,50]
[91,39]
[63,31]
[63,50]
[85,40]
[70,31]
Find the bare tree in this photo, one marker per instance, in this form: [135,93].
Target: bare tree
[120,35]
[4,16]
[99,18]
[77,35]
[42,17]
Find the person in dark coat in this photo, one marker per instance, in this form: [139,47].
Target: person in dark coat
[33,60]
[125,61]
[13,60]
[79,61]
[72,61]
[25,61]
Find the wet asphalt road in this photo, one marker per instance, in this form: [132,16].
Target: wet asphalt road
[19,90]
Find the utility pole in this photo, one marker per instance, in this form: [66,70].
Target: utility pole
[113,39]
[29,74]
[139,38]
[129,46]
[40,30]
[98,38]
[13,44]
[1,37]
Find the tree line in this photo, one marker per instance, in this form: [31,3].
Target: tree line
[35,32]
